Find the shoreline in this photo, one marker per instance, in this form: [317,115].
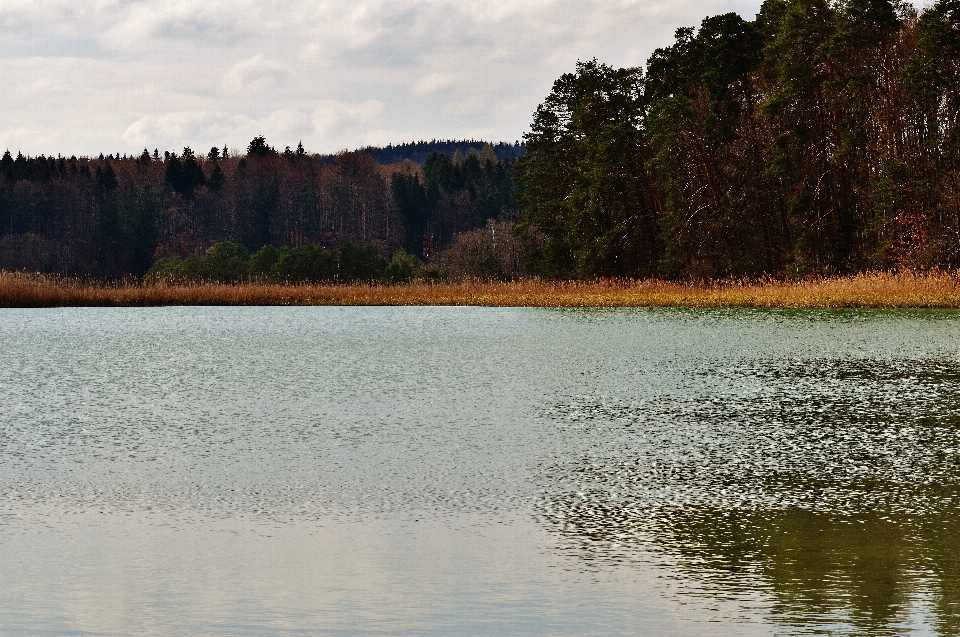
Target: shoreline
[871,290]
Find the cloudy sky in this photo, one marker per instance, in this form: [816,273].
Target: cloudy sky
[91,76]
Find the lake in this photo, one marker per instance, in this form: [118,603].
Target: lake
[444,471]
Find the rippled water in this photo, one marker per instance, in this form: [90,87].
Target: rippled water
[224,471]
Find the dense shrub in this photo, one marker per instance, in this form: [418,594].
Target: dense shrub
[229,262]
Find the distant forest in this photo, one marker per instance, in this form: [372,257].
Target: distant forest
[821,138]
[419,152]
[113,217]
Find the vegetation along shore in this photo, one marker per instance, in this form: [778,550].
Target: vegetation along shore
[871,290]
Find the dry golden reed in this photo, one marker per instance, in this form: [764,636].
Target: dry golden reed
[872,290]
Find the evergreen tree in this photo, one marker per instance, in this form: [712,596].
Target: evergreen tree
[410,198]
[173,174]
[109,237]
[138,231]
[583,180]
[215,183]
[6,166]
[258,147]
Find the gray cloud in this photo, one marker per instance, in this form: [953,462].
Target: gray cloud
[108,75]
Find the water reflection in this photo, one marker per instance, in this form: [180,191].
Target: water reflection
[831,485]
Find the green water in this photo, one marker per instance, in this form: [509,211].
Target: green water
[478,471]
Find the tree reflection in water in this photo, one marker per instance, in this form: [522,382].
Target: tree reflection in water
[833,486]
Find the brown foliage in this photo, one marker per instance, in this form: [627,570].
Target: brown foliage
[35,253]
[485,253]
[874,290]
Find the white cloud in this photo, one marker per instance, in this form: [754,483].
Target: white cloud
[173,129]
[254,74]
[283,128]
[150,24]
[433,83]
[202,129]
[342,124]
[107,74]
[471,107]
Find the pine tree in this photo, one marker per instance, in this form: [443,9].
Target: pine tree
[258,147]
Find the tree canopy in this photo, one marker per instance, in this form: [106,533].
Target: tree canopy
[821,137]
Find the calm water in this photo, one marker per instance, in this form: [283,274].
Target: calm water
[286,471]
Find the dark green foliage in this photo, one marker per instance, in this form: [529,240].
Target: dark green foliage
[310,263]
[455,195]
[258,147]
[106,178]
[485,180]
[193,176]
[583,178]
[225,262]
[6,166]
[934,73]
[263,208]
[347,262]
[701,95]
[262,263]
[138,232]
[402,267]
[22,168]
[419,152]
[410,199]
[173,173]
[217,178]
[358,263]
[109,233]
[184,175]
[229,262]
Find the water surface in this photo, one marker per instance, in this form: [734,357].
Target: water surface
[233,471]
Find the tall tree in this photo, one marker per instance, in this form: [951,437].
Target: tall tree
[709,152]
[584,186]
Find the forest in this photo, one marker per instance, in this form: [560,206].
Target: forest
[419,152]
[178,216]
[821,138]
[818,139]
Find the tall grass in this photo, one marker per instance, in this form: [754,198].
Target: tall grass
[872,290]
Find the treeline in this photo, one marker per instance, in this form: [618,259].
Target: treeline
[820,138]
[115,216]
[418,152]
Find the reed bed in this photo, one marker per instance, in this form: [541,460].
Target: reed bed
[872,290]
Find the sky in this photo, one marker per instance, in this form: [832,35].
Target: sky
[115,76]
